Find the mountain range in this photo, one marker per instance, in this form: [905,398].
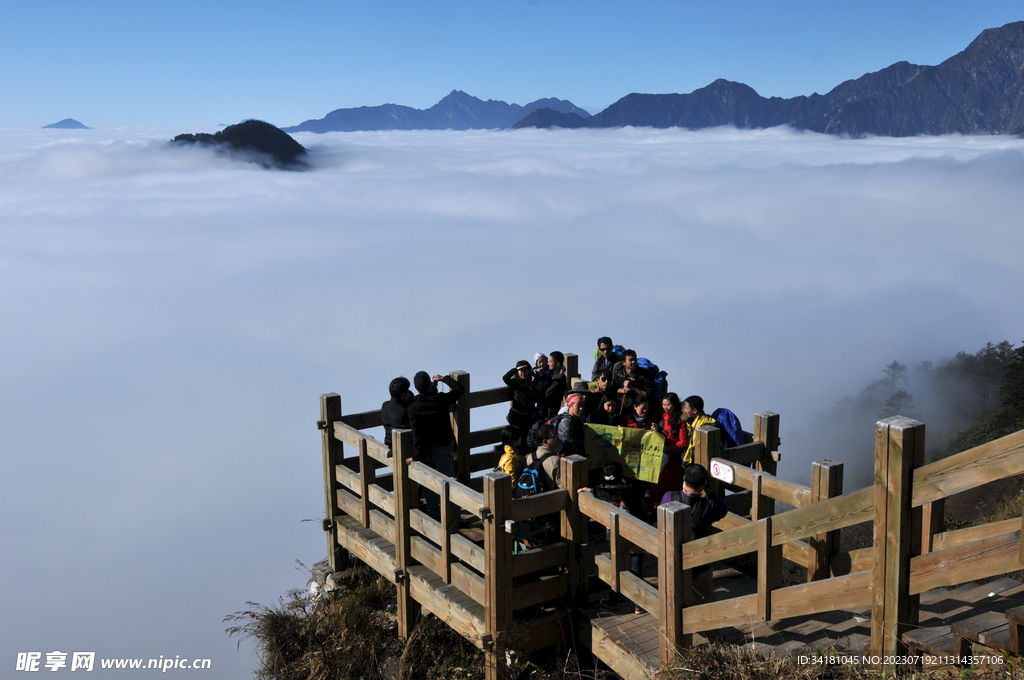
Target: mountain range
[457,111]
[979,90]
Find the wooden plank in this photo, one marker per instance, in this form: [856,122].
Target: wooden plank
[461,613]
[899,447]
[545,590]
[426,476]
[495,395]
[732,612]
[486,437]
[426,554]
[979,559]
[788,492]
[486,460]
[603,563]
[595,509]
[423,523]
[707,445]
[619,551]
[721,546]
[348,477]
[931,524]
[351,436]
[639,533]
[349,503]
[468,552]
[607,648]
[852,562]
[673,583]
[353,537]
[847,592]
[364,420]
[460,426]
[332,452]
[465,498]
[383,525]
[468,581]
[744,454]
[951,539]
[835,513]
[987,628]
[449,524]
[769,568]
[639,591]
[539,558]
[539,505]
[385,500]
[962,471]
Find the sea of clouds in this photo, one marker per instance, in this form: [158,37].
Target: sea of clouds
[170,317]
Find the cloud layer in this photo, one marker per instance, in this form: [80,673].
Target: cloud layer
[170,317]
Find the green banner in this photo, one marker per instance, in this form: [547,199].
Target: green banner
[640,451]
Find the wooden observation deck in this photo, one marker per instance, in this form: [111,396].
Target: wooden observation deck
[464,570]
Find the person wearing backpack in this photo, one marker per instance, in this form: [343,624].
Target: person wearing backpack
[546,460]
[693,412]
[570,429]
[629,380]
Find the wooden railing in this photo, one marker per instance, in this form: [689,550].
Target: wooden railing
[910,553]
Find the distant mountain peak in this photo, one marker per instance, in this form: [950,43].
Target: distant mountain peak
[66,124]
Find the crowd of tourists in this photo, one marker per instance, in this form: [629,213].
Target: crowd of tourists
[546,422]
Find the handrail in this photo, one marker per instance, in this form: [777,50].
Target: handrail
[997,459]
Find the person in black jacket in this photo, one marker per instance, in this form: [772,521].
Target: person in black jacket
[605,359]
[706,508]
[551,400]
[432,436]
[523,412]
[393,412]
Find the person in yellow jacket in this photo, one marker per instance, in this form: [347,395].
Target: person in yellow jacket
[511,461]
[693,412]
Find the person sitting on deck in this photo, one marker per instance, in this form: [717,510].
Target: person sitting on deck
[433,439]
[520,385]
[607,411]
[693,412]
[393,413]
[511,461]
[624,493]
[606,357]
[629,380]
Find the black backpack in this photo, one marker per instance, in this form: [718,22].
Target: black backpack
[532,442]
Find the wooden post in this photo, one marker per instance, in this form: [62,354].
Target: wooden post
[826,482]
[899,448]
[766,430]
[674,528]
[760,505]
[460,425]
[367,476]
[449,526]
[408,608]
[619,551]
[330,411]
[708,445]
[573,530]
[769,568]
[497,569]
[572,369]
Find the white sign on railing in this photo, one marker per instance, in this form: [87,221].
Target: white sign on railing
[722,471]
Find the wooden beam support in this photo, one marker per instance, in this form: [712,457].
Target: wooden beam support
[826,482]
[408,608]
[769,568]
[498,572]
[674,529]
[708,445]
[766,431]
[460,425]
[573,523]
[330,411]
[899,448]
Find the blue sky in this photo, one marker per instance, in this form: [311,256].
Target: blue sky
[146,63]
